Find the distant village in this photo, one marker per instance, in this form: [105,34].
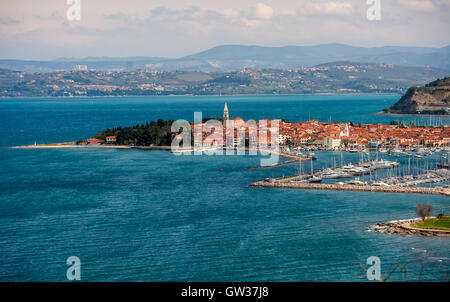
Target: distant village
[339,77]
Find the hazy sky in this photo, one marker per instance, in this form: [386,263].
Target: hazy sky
[40,29]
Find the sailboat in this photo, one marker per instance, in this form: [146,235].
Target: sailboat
[313,178]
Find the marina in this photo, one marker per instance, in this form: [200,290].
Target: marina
[346,171]
[401,173]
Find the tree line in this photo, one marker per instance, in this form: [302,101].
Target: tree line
[157,133]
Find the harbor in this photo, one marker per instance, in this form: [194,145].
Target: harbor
[404,173]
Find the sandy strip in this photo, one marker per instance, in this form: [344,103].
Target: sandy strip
[70,145]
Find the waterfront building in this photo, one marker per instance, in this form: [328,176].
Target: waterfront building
[331,142]
[111,139]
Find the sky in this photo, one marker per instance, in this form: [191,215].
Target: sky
[42,30]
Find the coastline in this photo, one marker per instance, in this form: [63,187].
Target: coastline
[411,114]
[403,227]
[197,95]
[69,145]
[168,148]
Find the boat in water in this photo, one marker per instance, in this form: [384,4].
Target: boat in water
[312,155]
[356,181]
[314,179]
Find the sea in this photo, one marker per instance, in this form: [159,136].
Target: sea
[151,215]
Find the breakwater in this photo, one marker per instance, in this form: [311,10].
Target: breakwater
[348,187]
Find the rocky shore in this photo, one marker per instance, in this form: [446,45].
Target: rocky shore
[403,227]
[433,99]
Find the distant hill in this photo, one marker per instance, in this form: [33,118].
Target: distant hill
[434,98]
[337,77]
[238,56]
[234,57]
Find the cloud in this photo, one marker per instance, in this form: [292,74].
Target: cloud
[230,13]
[327,8]
[263,11]
[8,21]
[338,8]
[175,28]
[418,5]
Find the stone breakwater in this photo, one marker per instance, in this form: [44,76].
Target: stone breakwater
[403,227]
[348,187]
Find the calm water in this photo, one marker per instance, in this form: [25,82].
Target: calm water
[133,215]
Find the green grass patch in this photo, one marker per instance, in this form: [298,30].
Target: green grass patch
[434,223]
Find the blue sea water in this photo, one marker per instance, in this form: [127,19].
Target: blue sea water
[135,215]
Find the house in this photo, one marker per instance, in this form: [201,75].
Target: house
[111,139]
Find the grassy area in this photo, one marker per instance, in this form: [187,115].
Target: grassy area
[434,223]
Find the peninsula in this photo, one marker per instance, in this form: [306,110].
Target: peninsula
[433,98]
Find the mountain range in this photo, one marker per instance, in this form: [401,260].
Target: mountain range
[236,57]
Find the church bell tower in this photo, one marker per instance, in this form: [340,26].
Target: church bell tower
[226,115]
